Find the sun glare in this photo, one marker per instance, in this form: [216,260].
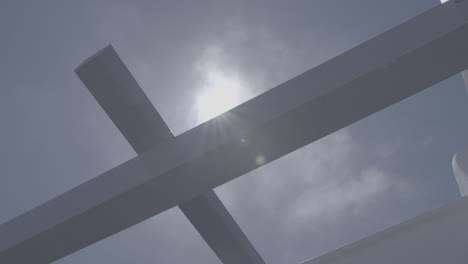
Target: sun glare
[220,93]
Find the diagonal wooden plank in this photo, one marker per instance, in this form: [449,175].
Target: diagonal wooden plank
[116,90]
[438,236]
[118,93]
[380,72]
[216,225]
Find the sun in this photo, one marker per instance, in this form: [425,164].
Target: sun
[220,93]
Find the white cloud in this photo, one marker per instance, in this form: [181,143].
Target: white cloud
[322,204]
[251,54]
[222,86]
[314,186]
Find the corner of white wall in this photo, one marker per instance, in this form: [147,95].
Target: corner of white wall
[460,170]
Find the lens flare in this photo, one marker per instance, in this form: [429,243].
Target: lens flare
[260,160]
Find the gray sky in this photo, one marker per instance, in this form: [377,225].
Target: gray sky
[378,172]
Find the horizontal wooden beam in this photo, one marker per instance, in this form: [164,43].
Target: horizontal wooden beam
[378,73]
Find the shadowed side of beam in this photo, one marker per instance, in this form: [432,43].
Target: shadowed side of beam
[116,90]
[221,231]
[376,74]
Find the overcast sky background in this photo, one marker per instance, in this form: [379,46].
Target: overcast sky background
[376,173]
